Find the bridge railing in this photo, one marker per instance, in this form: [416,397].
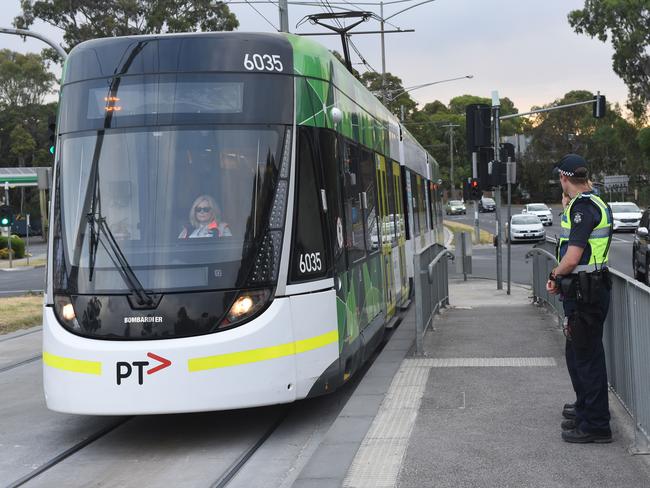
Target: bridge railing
[626,338]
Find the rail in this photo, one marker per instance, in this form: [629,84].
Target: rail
[432,292]
[626,339]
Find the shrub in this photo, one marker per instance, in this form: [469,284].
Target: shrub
[17,246]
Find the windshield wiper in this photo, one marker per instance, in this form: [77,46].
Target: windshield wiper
[101,233]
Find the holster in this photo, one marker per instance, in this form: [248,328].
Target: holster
[591,285]
[584,325]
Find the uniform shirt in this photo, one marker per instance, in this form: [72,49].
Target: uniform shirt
[585,216]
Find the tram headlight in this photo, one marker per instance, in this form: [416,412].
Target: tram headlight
[246,305]
[65,311]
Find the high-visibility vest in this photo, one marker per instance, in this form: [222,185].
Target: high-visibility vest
[599,239]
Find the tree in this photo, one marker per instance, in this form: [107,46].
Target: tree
[628,24]
[643,138]
[610,144]
[89,19]
[24,79]
[394,90]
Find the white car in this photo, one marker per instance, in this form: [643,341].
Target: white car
[626,215]
[541,210]
[526,227]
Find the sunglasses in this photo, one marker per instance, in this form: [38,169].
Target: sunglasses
[203,209]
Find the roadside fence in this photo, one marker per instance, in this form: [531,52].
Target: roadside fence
[431,281]
[626,338]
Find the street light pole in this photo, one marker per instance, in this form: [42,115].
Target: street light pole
[24,32]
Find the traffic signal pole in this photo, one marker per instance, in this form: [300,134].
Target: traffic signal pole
[6,204]
[497,149]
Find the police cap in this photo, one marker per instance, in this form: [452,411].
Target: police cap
[572,165]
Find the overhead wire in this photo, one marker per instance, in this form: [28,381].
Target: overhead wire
[262,15]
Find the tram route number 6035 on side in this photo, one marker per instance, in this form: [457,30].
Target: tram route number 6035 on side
[310,262]
[263,62]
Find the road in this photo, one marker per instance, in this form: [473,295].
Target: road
[484,257]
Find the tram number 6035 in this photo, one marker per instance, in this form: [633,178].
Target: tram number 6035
[310,262]
[263,62]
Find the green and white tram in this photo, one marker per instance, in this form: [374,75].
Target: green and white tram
[234,217]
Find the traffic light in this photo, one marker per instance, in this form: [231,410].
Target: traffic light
[475,192]
[478,126]
[51,128]
[599,106]
[6,216]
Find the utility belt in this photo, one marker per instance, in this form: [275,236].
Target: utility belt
[585,287]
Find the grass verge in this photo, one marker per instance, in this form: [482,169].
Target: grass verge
[20,312]
[486,237]
[17,263]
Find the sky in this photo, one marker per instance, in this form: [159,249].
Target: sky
[524,49]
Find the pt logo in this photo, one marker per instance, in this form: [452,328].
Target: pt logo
[124,369]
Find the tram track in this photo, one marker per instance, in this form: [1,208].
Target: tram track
[68,452]
[23,334]
[17,364]
[241,461]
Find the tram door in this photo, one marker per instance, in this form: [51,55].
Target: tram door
[400,228]
[385,236]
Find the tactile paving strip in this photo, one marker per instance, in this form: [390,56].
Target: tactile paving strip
[379,458]
[479,362]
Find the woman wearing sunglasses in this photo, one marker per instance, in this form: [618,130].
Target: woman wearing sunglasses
[204,220]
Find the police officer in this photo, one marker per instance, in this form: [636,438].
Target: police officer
[584,283]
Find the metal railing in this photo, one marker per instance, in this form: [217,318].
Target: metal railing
[431,282]
[626,339]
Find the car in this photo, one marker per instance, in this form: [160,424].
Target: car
[641,250]
[486,204]
[541,210]
[19,227]
[455,207]
[626,215]
[525,227]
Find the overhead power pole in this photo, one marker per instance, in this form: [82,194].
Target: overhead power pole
[284,15]
[451,126]
[383,56]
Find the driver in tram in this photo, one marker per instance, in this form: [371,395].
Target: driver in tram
[205,220]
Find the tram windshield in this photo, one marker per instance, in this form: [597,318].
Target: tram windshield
[187,206]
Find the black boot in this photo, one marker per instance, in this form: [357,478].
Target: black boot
[569,411]
[568,424]
[579,437]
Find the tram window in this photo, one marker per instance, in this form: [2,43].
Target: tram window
[426,207]
[354,237]
[432,205]
[329,159]
[309,260]
[415,204]
[421,207]
[369,188]
[393,223]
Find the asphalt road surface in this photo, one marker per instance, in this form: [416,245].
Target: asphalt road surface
[484,257]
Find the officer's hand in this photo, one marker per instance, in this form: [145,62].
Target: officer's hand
[552,288]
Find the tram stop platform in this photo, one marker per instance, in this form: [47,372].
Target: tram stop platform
[482,408]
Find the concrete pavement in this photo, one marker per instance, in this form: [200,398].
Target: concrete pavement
[481,409]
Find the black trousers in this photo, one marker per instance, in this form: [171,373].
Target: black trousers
[585,359]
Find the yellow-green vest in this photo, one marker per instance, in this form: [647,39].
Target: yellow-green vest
[598,239]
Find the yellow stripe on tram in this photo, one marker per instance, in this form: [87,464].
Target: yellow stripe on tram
[262,354]
[73,365]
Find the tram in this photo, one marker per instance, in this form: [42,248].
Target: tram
[233,223]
